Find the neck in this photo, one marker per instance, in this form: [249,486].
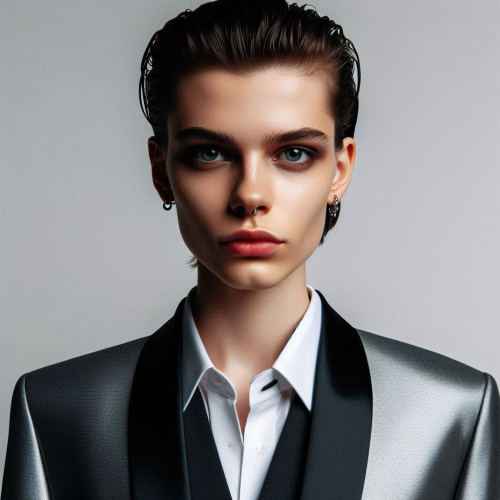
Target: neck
[245,330]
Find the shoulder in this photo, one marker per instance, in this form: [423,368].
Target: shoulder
[428,408]
[71,410]
[105,373]
[404,371]
[98,364]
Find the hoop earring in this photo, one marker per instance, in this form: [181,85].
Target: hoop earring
[169,205]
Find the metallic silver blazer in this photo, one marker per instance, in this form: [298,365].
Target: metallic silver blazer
[390,421]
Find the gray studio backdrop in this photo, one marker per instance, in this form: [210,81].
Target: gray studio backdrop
[90,259]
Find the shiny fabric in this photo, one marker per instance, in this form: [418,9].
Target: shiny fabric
[392,420]
[25,475]
[78,409]
[435,429]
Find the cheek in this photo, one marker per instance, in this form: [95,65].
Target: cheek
[312,224]
[194,222]
[305,213]
[199,216]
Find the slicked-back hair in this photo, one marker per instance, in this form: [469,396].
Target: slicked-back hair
[244,36]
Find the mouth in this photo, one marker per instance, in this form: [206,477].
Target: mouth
[251,235]
[252,248]
[252,243]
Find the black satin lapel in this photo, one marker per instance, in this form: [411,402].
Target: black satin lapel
[286,471]
[341,414]
[157,454]
[207,478]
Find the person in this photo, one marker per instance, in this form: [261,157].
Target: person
[256,387]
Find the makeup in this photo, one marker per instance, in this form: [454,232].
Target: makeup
[252,248]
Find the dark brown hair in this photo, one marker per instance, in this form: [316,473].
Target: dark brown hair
[246,35]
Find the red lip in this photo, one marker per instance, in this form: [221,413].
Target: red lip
[256,234]
[252,248]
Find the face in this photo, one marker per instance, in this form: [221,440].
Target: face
[238,142]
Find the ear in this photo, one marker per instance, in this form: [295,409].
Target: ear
[159,170]
[344,168]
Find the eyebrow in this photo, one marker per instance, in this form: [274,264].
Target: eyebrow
[272,138]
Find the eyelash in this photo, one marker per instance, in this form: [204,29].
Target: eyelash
[190,155]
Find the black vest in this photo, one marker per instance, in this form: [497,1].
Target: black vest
[286,471]
[337,445]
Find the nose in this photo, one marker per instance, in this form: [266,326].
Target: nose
[252,193]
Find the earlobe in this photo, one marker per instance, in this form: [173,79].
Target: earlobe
[159,170]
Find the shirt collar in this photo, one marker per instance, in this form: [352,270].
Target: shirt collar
[296,362]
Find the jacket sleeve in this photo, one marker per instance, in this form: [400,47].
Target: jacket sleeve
[24,475]
[480,478]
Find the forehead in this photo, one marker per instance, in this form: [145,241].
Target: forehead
[252,102]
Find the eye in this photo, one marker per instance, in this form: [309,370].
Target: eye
[208,154]
[297,155]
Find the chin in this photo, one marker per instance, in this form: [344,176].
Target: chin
[252,274]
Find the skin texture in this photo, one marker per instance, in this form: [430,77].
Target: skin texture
[246,308]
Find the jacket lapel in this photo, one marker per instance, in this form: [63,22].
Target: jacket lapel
[341,413]
[157,452]
[341,418]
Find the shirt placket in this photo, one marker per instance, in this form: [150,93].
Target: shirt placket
[244,460]
[226,431]
[260,433]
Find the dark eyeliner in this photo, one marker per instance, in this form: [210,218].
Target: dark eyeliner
[188,155]
[312,156]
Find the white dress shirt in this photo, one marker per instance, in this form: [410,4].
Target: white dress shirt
[246,459]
